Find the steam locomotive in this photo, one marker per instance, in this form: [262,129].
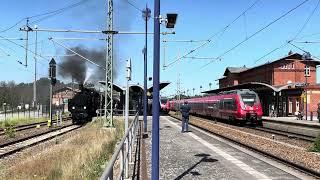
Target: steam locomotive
[84,104]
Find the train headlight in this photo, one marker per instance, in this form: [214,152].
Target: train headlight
[84,107]
[73,107]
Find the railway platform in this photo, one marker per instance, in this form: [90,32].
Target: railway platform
[200,155]
[292,125]
[293,120]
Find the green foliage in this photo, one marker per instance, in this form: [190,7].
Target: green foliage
[9,130]
[96,166]
[20,121]
[316,145]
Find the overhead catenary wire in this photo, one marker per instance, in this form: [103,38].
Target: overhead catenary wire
[43,14]
[257,32]
[36,54]
[303,50]
[295,36]
[221,32]
[205,58]
[307,42]
[69,49]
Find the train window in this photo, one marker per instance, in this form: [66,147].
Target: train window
[229,104]
[249,99]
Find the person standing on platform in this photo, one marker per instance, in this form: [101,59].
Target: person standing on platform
[318,112]
[185,109]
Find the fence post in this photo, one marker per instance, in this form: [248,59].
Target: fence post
[127,158]
[311,116]
[18,113]
[130,144]
[5,112]
[12,111]
[121,163]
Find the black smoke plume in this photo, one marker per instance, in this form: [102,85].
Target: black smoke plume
[73,67]
[77,68]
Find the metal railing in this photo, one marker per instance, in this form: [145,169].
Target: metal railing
[100,112]
[123,153]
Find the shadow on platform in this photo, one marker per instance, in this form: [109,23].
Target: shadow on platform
[205,159]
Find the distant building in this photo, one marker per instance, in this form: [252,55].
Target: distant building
[285,85]
[60,97]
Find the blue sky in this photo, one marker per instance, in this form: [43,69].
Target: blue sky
[197,20]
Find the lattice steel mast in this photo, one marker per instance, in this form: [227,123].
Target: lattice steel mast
[109,69]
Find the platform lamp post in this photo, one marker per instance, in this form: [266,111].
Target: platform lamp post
[210,84]
[306,57]
[200,90]
[52,76]
[170,23]
[146,16]
[193,90]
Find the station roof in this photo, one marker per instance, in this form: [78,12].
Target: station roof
[289,57]
[234,70]
[136,87]
[65,89]
[256,86]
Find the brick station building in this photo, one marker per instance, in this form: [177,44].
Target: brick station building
[286,85]
[60,97]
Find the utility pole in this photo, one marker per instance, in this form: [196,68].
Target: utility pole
[109,70]
[146,16]
[155,99]
[35,74]
[27,38]
[126,122]
[306,57]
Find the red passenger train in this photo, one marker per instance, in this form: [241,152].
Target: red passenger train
[239,106]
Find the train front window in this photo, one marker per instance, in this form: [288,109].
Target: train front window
[249,99]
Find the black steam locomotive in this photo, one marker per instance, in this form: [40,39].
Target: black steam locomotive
[84,104]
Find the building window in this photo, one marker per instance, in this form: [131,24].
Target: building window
[297,105]
[307,70]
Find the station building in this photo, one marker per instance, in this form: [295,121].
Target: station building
[60,97]
[285,86]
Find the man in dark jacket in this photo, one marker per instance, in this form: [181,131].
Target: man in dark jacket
[185,108]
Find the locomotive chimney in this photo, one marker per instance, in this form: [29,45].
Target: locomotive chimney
[81,87]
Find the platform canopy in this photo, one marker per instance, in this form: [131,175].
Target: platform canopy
[255,86]
[116,87]
[162,85]
[135,87]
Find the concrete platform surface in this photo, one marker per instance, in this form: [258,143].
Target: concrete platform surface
[293,120]
[201,155]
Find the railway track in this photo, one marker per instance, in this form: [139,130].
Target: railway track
[297,166]
[30,126]
[287,134]
[18,145]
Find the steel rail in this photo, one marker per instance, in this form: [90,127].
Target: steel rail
[14,150]
[32,136]
[129,137]
[30,125]
[284,133]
